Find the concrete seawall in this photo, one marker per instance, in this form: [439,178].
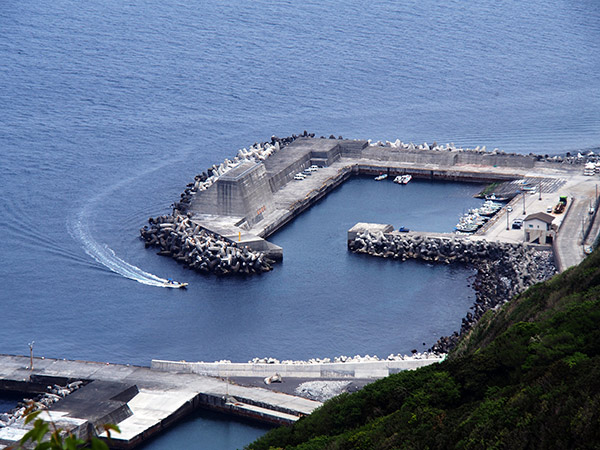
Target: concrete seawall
[371,369]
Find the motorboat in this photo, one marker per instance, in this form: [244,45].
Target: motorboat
[496,198]
[174,284]
[467,227]
[402,179]
[383,176]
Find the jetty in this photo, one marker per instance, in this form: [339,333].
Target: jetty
[243,202]
[140,400]
[144,401]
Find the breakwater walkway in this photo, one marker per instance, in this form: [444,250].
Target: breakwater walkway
[143,401]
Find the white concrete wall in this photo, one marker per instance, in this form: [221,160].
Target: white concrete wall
[368,369]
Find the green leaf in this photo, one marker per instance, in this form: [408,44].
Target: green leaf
[72,443]
[37,433]
[32,416]
[97,444]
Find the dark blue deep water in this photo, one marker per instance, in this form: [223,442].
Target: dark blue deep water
[108,108]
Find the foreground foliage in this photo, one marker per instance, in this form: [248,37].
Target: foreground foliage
[528,376]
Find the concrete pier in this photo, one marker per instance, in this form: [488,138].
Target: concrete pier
[144,401]
[140,400]
[254,200]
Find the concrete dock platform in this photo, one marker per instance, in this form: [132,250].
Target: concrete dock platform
[140,400]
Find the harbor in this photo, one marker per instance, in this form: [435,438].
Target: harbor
[144,401]
[248,198]
[221,226]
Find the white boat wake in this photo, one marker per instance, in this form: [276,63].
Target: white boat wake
[104,255]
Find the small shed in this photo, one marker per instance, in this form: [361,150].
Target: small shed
[539,228]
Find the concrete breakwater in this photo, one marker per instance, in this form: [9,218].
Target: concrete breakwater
[248,197]
[179,237]
[365,367]
[503,269]
[257,152]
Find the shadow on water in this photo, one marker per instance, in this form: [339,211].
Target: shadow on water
[9,400]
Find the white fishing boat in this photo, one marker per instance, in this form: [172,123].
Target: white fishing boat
[383,176]
[174,284]
[398,179]
[405,179]
[496,198]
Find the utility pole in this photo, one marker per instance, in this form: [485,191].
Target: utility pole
[507,219]
[31,355]
[524,203]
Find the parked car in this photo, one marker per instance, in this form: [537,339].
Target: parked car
[517,224]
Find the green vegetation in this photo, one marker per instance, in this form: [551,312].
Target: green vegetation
[527,376]
[489,189]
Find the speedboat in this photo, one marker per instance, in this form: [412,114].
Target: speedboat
[174,284]
[383,176]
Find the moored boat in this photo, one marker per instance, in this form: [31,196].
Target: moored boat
[380,177]
[496,198]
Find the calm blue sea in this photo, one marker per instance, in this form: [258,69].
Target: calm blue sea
[108,108]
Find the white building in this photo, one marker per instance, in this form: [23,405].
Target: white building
[539,229]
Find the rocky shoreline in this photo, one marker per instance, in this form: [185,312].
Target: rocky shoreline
[503,270]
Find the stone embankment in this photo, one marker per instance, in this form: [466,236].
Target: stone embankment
[503,269]
[40,402]
[177,236]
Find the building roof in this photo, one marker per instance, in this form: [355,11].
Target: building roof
[540,216]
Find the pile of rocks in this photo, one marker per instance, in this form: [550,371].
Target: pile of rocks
[42,401]
[321,390]
[503,269]
[344,359]
[177,236]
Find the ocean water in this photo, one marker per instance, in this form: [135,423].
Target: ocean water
[107,110]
